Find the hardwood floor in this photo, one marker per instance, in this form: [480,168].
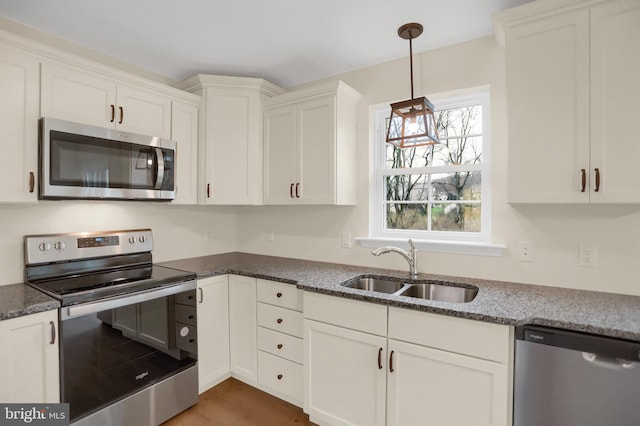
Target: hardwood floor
[233,403]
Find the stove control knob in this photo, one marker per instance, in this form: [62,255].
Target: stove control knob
[44,246]
[59,245]
[132,240]
[142,239]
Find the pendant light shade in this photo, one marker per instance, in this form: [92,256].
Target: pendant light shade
[412,122]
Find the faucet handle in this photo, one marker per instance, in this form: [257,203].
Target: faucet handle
[411,244]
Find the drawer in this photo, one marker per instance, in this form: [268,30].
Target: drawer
[186,337]
[186,298]
[186,314]
[280,294]
[280,319]
[280,344]
[284,377]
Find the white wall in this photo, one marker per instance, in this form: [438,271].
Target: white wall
[178,231]
[556,231]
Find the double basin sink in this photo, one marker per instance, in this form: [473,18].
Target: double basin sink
[441,291]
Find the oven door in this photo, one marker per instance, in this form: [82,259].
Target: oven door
[116,348]
[80,161]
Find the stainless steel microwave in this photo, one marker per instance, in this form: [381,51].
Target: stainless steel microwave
[88,162]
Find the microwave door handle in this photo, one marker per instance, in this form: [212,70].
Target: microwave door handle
[159,168]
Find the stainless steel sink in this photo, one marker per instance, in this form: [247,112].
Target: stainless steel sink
[440,291]
[375,284]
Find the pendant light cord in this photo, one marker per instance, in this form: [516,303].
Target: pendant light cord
[411,60]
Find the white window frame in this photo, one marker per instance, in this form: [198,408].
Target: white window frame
[440,241]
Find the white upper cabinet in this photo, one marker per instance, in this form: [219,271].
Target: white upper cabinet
[184,130]
[572,90]
[73,94]
[230,147]
[19,91]
[310,146]
[615,95]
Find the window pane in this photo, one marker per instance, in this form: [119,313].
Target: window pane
[455,217]
[459,121]
[407,216]
[407,188]
[457,186]
[463,150]
[398,158]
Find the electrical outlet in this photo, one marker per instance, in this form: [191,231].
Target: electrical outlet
[270,235]
[525,251]
[346,240]
[588,255]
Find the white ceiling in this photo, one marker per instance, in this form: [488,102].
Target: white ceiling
[285,41]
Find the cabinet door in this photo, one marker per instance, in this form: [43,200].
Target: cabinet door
[184,130]
[19,91]
[213,331]
[344,384]
[144,112]
[316,150]
[234,159]
[548,100]
[242,328]
[445,388]
[280,156]
[72,94]
[615,90]
[29,369]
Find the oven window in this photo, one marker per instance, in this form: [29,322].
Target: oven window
[109,355]
[83,161]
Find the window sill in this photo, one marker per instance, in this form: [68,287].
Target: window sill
[455,247]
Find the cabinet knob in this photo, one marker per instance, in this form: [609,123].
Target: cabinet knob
[279,376]
[279,345]
[278,294]
[279,320]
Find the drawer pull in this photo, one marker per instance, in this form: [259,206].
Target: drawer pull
[279,320]
[278,294]
[279,345]
[279,376]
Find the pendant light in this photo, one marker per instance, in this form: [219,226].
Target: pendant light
[412,122]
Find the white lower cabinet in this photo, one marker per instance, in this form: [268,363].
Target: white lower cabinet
[29,368]
[415,368]
[213,331]
[344,384]
[242,328]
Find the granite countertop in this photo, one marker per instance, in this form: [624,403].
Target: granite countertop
[19,299]
[498,302]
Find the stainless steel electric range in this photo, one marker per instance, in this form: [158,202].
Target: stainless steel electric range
[128,349]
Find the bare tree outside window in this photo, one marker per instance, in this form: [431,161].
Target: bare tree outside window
[438,187]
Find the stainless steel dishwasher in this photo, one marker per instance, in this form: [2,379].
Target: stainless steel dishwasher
[567,378]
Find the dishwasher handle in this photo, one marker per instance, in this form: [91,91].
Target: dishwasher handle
[608,362]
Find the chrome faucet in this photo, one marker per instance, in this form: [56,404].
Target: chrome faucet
[410,256]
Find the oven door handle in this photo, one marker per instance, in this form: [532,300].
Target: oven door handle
[159,168]
[75,311]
